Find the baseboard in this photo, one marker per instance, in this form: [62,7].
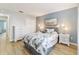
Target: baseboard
[73,43]
[12,40]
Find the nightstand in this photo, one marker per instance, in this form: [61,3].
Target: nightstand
[64,38]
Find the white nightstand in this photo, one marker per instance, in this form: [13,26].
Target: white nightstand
[64,38]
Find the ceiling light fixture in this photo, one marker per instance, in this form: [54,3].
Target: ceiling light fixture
[21,11]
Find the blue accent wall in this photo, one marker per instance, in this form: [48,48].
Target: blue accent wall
[69,17]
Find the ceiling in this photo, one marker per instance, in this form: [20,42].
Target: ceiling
[35,9]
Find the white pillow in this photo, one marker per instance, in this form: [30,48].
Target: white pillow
[50,30]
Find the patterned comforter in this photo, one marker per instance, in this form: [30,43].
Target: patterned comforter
[41,42]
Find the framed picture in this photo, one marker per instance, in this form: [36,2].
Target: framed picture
[51,22]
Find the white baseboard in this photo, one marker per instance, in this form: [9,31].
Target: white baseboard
[73,43]
[10,40]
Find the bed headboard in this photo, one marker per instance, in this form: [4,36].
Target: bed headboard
[55,28]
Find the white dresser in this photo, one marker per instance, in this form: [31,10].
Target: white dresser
[64,38]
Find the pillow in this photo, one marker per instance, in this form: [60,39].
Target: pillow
[50,30]
[38,32]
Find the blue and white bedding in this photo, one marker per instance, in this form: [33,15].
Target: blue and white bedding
[41,42]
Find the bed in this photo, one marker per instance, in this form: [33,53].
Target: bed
[41,43]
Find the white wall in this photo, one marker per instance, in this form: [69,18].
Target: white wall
[78,31]
[30,24]
[23,24]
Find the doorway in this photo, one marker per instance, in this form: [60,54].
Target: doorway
[3,27]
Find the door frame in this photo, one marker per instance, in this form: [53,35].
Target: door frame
[8,30]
